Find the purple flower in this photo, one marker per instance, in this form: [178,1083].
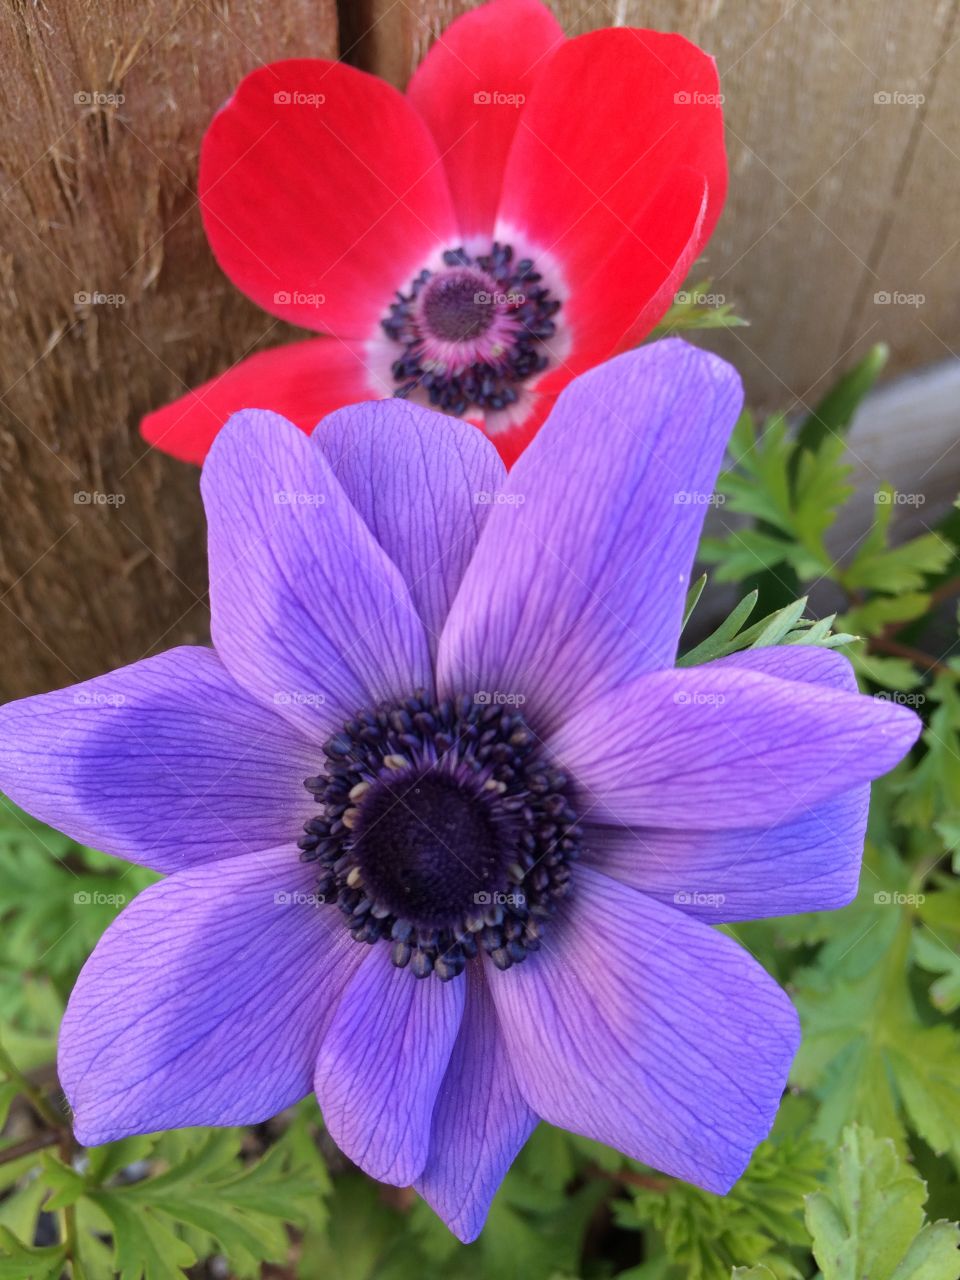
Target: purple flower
[519,821]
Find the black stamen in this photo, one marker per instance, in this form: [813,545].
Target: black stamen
[444,832]
[450,311]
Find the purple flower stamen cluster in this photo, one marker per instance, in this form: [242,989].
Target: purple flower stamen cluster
[444,832]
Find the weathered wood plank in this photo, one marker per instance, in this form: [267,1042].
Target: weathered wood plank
[97,196]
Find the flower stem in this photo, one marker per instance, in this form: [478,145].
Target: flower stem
[32,1094]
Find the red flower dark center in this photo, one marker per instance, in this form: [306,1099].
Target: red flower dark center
[473,332]
[458,305]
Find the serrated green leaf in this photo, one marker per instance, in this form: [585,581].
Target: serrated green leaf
[870,1220]
[21,1262]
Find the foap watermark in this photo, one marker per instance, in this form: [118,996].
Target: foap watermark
[296,498]
[696,98]
[496,698]
[898,298]
[495,98]
[898,98]
[297,898]
[499,899]
[901,698]
[298,298]
[897,899]
[97,898]
[97,298]
[90,698]
[693,298]
[496,498]
[694,898]
[297,98]
[94,98]
[297,698]
[894,498]
[697,498]
[483,299]
[94,498]
[698,698]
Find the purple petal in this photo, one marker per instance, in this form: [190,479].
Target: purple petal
[480,1122]
[583,564]
[810,864]
[166,762]
[205,1002]
[716,747]
[644,1029]
[419,479]
[382,1063]
[807,663]
[309,614]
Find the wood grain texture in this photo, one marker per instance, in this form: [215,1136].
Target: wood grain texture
[834,197]
[97,196]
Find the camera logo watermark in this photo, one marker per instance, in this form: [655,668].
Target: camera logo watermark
[297,298]
[96,898]
[695,98]
[94,498]
[897,98]
[494,98]
[297,898]
[897,298]
[897,899]
[900,698]
[93,98]
[96,298]
[89,698]
[693,498]
[698,698]
[894,498]
[687,298]
[693,898]
[483,299]
[494,498]
[298,699]
[494,698]
[296,98]
[498,899]
[292,498]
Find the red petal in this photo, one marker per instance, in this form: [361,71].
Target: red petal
[621,301]
[322,193]
[616,116]
[303,382]
[470,89]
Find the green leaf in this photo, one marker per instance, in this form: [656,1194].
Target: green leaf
[760,1220]
[785,626]
[870,1220]
[20,1262]
[835,412]
[697,307]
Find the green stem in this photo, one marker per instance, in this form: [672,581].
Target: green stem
[33,1095]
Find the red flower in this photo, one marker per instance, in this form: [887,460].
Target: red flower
[525,211]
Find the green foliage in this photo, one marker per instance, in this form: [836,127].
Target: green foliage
[869,1133]
[703,1236]
[697,307]
[870,1220]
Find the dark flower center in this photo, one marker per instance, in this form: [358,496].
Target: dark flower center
[444,831]
[458,305]
[471,333]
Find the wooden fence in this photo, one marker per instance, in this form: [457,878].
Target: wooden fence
[845,187]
